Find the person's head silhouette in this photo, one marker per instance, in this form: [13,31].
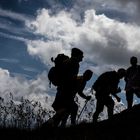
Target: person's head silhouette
[121,72]
[87,75]
[77,53]
[133,61]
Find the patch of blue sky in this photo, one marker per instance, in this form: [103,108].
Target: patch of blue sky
[13,52]
[115,14]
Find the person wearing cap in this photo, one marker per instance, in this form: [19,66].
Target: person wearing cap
[64,92]
[104,86]
[132,79]
[71,66]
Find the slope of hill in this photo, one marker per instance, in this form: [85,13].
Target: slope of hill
[122,126]
[125,126]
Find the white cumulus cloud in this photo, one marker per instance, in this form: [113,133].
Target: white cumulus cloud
[104,41]
[36,90]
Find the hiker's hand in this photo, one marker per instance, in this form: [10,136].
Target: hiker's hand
[91,90]
[118,99]
[88,98]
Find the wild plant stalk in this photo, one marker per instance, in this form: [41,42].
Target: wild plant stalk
[25,115]
[31,114]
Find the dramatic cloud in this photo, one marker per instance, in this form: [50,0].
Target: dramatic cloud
[105,42]
[36,89]
[100,28]
[122,10]
[12,25]
[125,2]
[13,15]
[22,39]
[131,6]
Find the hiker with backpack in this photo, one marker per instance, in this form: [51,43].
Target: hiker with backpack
[65,75]
[55,74]
[106,85]
[132,80]
[79,85]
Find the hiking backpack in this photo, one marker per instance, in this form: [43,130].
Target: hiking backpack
[55,73]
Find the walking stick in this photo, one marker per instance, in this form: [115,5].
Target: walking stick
[82,110]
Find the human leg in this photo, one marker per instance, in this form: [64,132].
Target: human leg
[99,109]
[74,110]
[110,106]
[57,118]
[64,120]
[129,98]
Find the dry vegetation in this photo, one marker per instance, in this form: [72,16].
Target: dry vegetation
[24,115]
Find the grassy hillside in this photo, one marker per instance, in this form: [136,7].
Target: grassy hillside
[122,126]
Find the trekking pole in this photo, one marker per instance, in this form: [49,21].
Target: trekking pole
[82,110]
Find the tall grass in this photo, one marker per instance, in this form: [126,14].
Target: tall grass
[24,114]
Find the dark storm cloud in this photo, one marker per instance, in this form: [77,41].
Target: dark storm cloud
[129,1]
[126,2]
[132,5]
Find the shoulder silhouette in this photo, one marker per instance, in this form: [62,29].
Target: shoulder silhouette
[106,85]
[132,79]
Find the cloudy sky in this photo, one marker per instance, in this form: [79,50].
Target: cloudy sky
[32,31]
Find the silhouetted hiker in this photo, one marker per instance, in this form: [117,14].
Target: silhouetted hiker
[132,81]
[106,85]
[79,85]
[64,91]
[71,66]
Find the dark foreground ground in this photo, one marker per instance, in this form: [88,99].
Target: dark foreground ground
[123,126]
